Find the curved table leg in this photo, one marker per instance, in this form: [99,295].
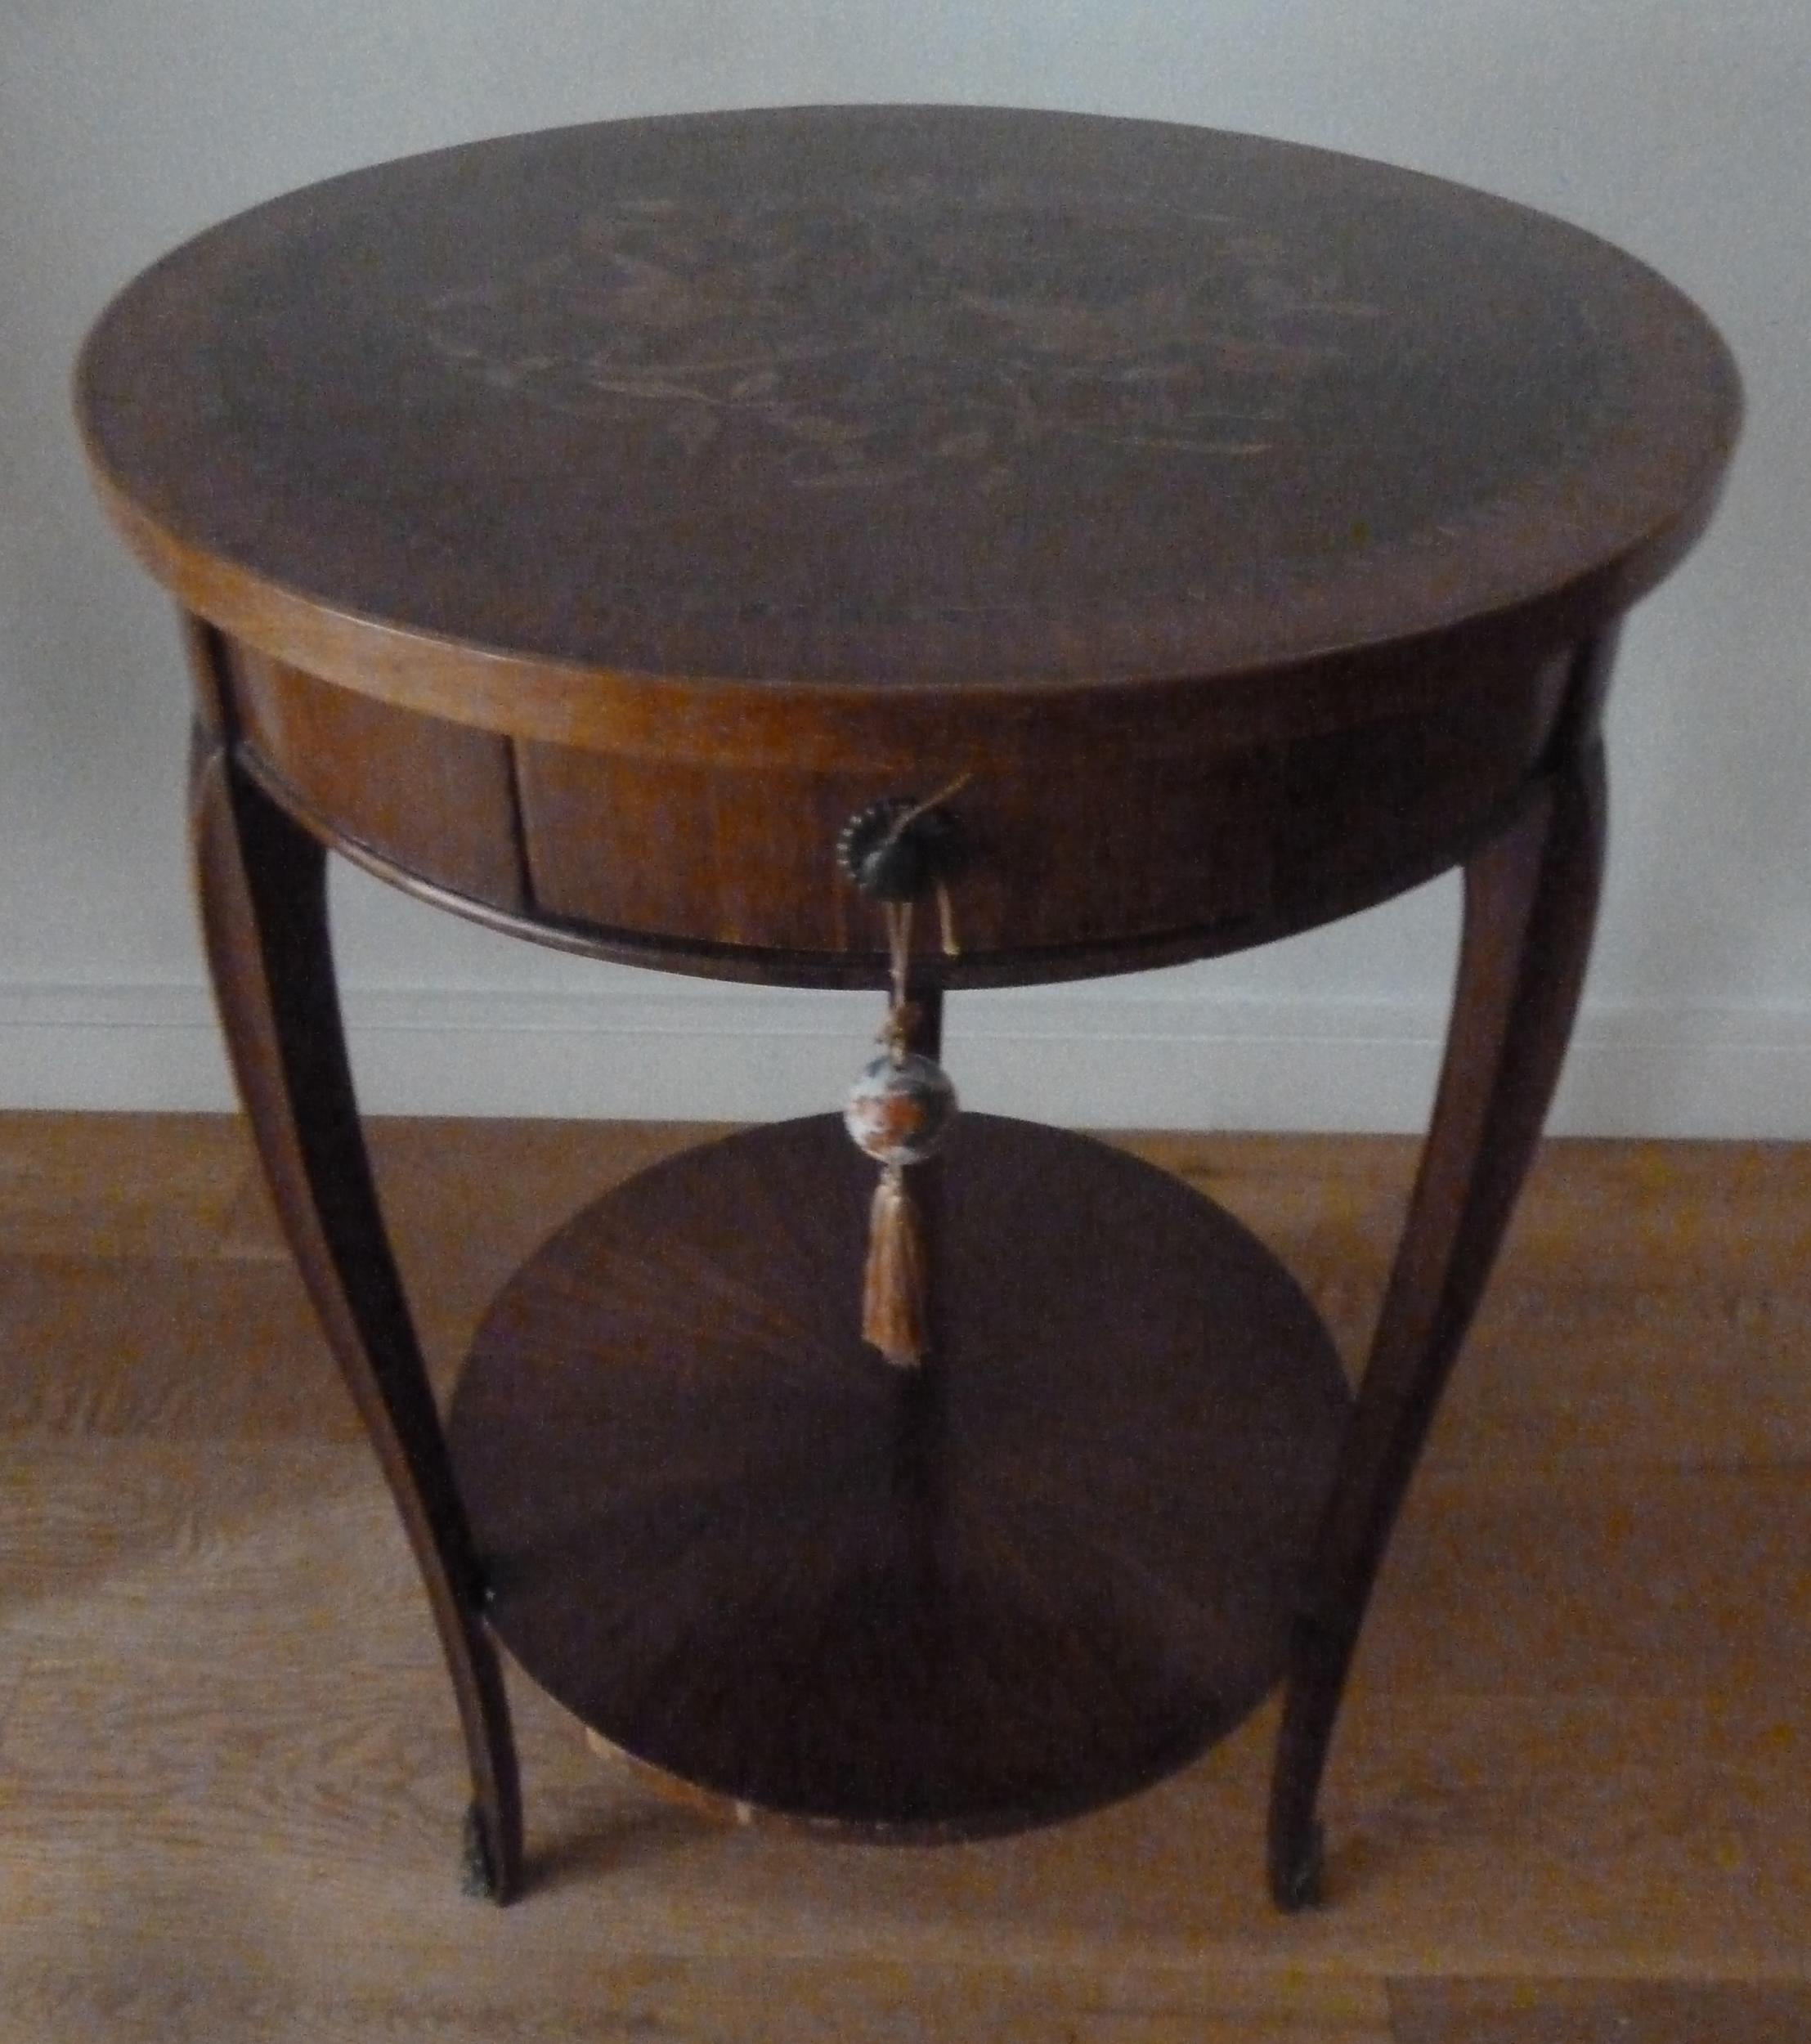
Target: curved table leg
[261,883]
[1531,903]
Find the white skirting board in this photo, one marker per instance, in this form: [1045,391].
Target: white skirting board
[1102,1056]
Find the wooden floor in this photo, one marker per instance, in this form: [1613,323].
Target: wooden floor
[1570,1803]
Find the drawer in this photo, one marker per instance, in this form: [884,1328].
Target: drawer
[1072,853]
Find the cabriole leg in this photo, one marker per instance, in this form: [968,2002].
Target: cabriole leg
[262,884]
[1531,903]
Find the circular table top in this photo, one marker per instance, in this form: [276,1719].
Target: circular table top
[900,398]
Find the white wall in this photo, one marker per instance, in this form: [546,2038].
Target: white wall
[1676,127]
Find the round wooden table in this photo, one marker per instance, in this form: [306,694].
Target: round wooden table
[580,530]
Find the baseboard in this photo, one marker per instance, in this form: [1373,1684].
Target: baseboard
[1115,1056]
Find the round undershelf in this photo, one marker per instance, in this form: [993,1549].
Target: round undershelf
[1044,1571]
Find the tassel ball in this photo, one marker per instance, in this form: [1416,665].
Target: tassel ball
[899,1110]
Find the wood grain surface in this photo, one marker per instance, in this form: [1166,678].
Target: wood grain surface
[1080,854]
[229,1773]
[1047,1567]
[436,797]
[635,435]
[1595,2012]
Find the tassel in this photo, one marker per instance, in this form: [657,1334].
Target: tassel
[899,1111]
[893,1290]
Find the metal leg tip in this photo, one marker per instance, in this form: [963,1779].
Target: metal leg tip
[1296,1877]
[477,1876]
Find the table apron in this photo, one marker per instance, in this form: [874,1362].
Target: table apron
[1075,863]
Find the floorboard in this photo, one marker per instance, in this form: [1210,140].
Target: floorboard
[1596,2012]
[1567,1805]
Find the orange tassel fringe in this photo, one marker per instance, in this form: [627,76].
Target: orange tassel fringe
[892,1290]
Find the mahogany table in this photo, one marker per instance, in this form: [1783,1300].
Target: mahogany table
[578,529]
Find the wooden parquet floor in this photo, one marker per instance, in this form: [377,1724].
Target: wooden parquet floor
[1569,1804]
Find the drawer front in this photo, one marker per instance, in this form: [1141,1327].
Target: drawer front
[1058,849]
[1120,850]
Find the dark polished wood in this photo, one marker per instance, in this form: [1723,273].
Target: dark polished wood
[1071,866]
[261,884]
[776,437]
[1045,1570]
[668,490]
[1531,904]
[577,529]
[437,798]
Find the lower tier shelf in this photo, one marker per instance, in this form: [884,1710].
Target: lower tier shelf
[1046,1568]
